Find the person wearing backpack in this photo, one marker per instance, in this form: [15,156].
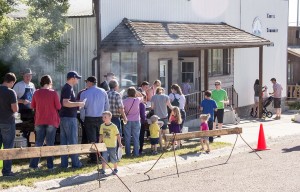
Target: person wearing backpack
[178,99]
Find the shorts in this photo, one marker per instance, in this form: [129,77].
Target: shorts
[256,99]
[219,114]
[277,103]
[154,141]
[165,125]
[111,152]
[204,138]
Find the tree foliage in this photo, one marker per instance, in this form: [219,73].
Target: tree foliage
[36,40]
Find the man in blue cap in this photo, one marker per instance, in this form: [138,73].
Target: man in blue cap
[68,118]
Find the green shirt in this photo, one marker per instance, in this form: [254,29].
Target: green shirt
[219,95]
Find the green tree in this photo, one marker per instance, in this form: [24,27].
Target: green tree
[34,41]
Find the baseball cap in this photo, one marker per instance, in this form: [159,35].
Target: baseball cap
[27,71]
[73,74]
[91,79]
[109,74]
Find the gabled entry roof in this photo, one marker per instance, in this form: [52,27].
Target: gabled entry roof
[158,35]
[294,50]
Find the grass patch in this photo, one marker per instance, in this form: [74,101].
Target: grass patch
[28,177]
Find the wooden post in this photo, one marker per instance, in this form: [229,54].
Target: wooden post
[198,134]
[205,70]
[260,103]
[46,151]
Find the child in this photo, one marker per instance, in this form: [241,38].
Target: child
[175,121]
[109,134]
[204,127]
[209,106]
[154,133]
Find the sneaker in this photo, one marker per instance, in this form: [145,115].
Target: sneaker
[11,174]
[102,171]
[115,171]
[154,153]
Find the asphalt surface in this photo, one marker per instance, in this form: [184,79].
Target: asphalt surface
[278,170]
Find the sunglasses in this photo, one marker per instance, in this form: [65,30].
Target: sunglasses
[217,84]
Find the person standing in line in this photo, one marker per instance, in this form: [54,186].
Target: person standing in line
[143,88]
[186,87]
[45,103]
[96,102]
[116,105]
[277,91]
[68,118]
[8,106]
[109,135]
[175,122]
[144,123]
[204,127]
[84,139]
[256,95]
[177,95]
[209,106]
[152,91]
[159,104]
[25,90]
[105,84]
[133,125]
[219,95]
[154,133]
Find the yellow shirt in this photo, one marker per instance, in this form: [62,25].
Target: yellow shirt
[154,130]
[109,133]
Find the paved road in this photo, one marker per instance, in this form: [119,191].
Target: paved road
[244,172]
[278,170]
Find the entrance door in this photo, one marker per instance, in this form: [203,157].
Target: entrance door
[163,73]
[190,72]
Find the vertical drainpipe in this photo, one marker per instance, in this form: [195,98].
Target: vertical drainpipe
[96,60]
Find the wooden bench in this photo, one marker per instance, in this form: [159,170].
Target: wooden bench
[46,151]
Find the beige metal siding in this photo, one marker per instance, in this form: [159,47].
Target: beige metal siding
[81,50]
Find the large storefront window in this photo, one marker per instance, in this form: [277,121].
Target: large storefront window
[124,66]
[219,61]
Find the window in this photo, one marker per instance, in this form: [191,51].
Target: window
[163,76]
[219,61]
[124,66]
[187,71]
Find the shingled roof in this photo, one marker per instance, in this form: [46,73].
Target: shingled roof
[156,35]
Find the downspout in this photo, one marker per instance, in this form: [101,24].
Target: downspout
[96,60]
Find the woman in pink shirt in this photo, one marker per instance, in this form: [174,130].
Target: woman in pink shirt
[45,103]
[133,124]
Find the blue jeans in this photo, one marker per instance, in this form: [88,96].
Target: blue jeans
[69,136]
[7,137]
[92,129]
[132,128]
[42,132]
[117,122]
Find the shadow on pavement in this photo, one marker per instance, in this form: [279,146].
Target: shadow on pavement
[287,150]
[76,180]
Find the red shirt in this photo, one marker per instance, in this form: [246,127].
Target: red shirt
[46,104]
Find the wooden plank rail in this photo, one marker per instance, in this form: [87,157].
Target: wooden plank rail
[45,151]
[198,134]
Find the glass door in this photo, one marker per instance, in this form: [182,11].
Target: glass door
[163,73]
[189,72]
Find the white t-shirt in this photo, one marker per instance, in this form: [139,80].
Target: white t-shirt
[20,88]
[181,99]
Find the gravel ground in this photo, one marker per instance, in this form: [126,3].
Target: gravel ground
[278,170]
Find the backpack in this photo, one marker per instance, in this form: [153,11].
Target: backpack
[175,102]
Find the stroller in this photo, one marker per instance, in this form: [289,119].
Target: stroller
[265,112]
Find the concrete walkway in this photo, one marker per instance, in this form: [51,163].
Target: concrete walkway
[273,129]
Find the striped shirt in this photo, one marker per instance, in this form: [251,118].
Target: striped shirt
[115,102]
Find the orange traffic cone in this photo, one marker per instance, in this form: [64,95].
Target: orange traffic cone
[261,144]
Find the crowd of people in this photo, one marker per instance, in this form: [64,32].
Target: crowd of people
[106,115]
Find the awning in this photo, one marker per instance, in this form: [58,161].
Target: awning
[294,51]
[158,35]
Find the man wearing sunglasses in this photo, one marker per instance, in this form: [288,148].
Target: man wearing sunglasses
[220,96]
